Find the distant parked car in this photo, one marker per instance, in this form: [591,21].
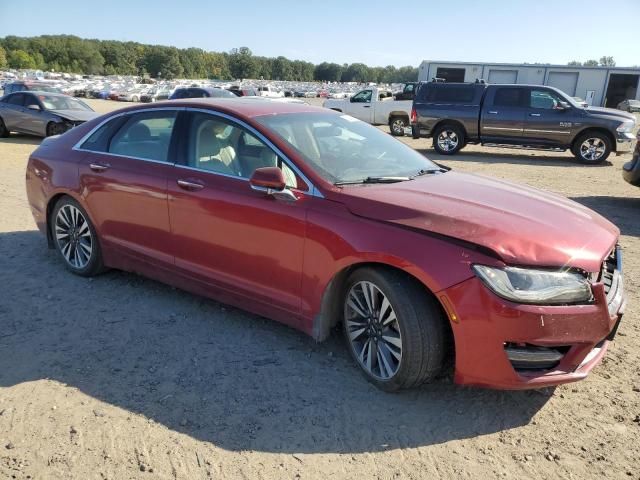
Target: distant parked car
[155,95]
[631,170]
[268,91]
[311,94]
[629,105]
[29,86]
[243,91]
[41,113]
[200,92]
[132,95]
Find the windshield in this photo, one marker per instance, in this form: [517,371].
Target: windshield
[342,149]
[55,102]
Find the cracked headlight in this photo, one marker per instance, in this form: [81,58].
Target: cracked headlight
[542,287]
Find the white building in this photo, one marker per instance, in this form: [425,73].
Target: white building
[600,86]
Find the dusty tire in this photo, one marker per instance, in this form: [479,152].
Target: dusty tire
[4,131]
[75,238]
[592,148]
[54,128]
[401,342]
[397,126]
[448,139]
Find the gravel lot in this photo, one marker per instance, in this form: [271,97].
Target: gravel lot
[120,377]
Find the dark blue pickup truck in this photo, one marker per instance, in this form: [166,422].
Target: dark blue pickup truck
[521,116]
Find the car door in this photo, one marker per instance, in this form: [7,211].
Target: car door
[548,119]
[13,114]
[502,114]
[227,235]
[123,180]
[361,105]
[36,117]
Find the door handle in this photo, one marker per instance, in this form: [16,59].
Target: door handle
[367,106]
[99,167]
[492,112]
[534,114]
[190,186]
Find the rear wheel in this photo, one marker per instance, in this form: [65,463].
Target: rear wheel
[4,131]
[54,128]
[448,139]
[75,238]
[592,147]
[395,331]
[397,126]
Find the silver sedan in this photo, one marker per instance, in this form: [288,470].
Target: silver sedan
[41,113]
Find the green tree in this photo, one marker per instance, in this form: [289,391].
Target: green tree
[356,72]
[21,59]
[282,69]
[590,63]
[607,61]
[574,63]
[3,58]
[328,72]
[242,63]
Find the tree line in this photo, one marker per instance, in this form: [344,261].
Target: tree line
[67,53]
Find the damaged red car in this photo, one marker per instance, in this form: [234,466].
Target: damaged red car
[315,219]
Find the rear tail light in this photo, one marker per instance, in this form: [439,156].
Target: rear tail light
[414,115]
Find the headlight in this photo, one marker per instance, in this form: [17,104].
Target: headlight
[543,287]
[626,126]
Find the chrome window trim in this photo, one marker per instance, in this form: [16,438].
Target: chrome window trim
[312,189]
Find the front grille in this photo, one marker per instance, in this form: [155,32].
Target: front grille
[611,277]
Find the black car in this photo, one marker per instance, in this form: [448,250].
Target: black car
[28,86]
[530,116]
[200,92]
[631,170]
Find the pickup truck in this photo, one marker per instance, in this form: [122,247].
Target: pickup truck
[520,116]
[375,106]
[269,91]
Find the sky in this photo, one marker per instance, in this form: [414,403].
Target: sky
[373,32]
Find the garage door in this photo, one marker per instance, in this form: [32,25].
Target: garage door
[503,76]
[565,81]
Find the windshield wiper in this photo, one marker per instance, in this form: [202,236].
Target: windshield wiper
[373,180]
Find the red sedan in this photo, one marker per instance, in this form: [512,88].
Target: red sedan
[315,219]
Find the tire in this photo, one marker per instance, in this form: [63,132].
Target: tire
[411,349]
[69,219]
[4,131]
[592,148]
[397,126]
[448,139]
[54,128]
[415,132]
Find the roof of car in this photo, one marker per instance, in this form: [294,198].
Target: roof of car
[248,107]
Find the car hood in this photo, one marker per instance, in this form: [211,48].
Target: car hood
[521,224]
[76,115]
[610,112]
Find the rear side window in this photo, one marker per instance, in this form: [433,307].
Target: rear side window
[448,93]
[98,141]
[509,97]
[16,99]
[145,135]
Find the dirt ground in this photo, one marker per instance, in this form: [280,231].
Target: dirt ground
[119,377]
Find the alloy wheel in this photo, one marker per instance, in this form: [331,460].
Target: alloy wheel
[73,236]
[448,140]
[592,149]
[373,330]
[398,126]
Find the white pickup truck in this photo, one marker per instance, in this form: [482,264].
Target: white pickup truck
[375,106]
[270,92]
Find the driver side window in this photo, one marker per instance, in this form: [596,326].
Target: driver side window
[219,146]
[544,100]
[362,97]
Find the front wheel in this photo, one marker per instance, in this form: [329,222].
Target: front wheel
[395,331]
[448,139]
[397,126]
[592,147]
[75,238]
[54,128]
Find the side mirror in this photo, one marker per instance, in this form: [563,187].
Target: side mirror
[563,106]
[271,181]
[33,107]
